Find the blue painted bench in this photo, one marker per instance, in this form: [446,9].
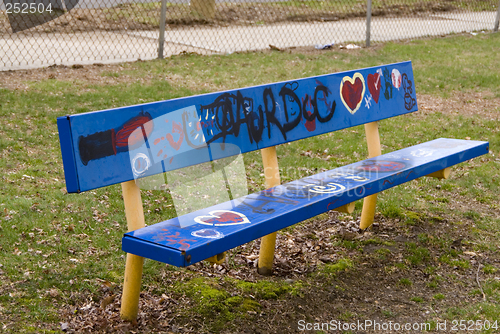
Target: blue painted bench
[126,144]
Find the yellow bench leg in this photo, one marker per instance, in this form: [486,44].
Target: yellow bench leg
[369,203]
[348,208]
[217,259]
[441,174]
[131,287]
[134,264]
[266,255]
[368,211]
[268,242]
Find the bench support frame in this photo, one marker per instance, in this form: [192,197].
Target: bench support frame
[348,208]
[217,259]
[268,242]
[441,174]
[370,202]
[374,149]
[134,264]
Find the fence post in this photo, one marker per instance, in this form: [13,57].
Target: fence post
[163,18]
[495,29]
[368,21]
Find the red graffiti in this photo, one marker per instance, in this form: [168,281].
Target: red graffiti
[225,217]
[206,124]
[310,125]
[407,176]
[381,166]
[128,136]
[173,239]
[387,181]
[176,128]
[331,203]
[374,84]
[352,93]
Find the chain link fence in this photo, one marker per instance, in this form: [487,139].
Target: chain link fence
[45,32]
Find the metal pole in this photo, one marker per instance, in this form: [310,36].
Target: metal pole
[163,18]
[133,268]
[495,29]
[268,242]
[374,149]
[368,21]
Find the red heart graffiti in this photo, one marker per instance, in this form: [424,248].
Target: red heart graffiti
[374,85]
[352,93]
[222,218]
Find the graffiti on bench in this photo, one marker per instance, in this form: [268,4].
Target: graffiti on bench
[168,135]
[318,193]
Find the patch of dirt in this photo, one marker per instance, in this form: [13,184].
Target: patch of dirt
[90,76]
[482,104]
[96,74]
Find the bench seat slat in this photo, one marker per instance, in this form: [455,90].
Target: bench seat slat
[185,240]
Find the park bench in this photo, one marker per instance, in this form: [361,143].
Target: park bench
[124,145]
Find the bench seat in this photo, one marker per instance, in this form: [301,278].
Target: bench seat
[191,238]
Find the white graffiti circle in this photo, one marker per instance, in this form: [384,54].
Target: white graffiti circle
[140,164]
[207,233]
[396,78]
[392,156]
[222,218]
[347,176]
[420,153]
[330,188]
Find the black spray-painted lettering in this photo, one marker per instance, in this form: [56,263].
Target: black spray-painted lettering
[388,84]
[230,111]
[407,86]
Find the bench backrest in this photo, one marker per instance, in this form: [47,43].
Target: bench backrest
[117,145]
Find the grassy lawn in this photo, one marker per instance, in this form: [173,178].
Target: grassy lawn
[60,254]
